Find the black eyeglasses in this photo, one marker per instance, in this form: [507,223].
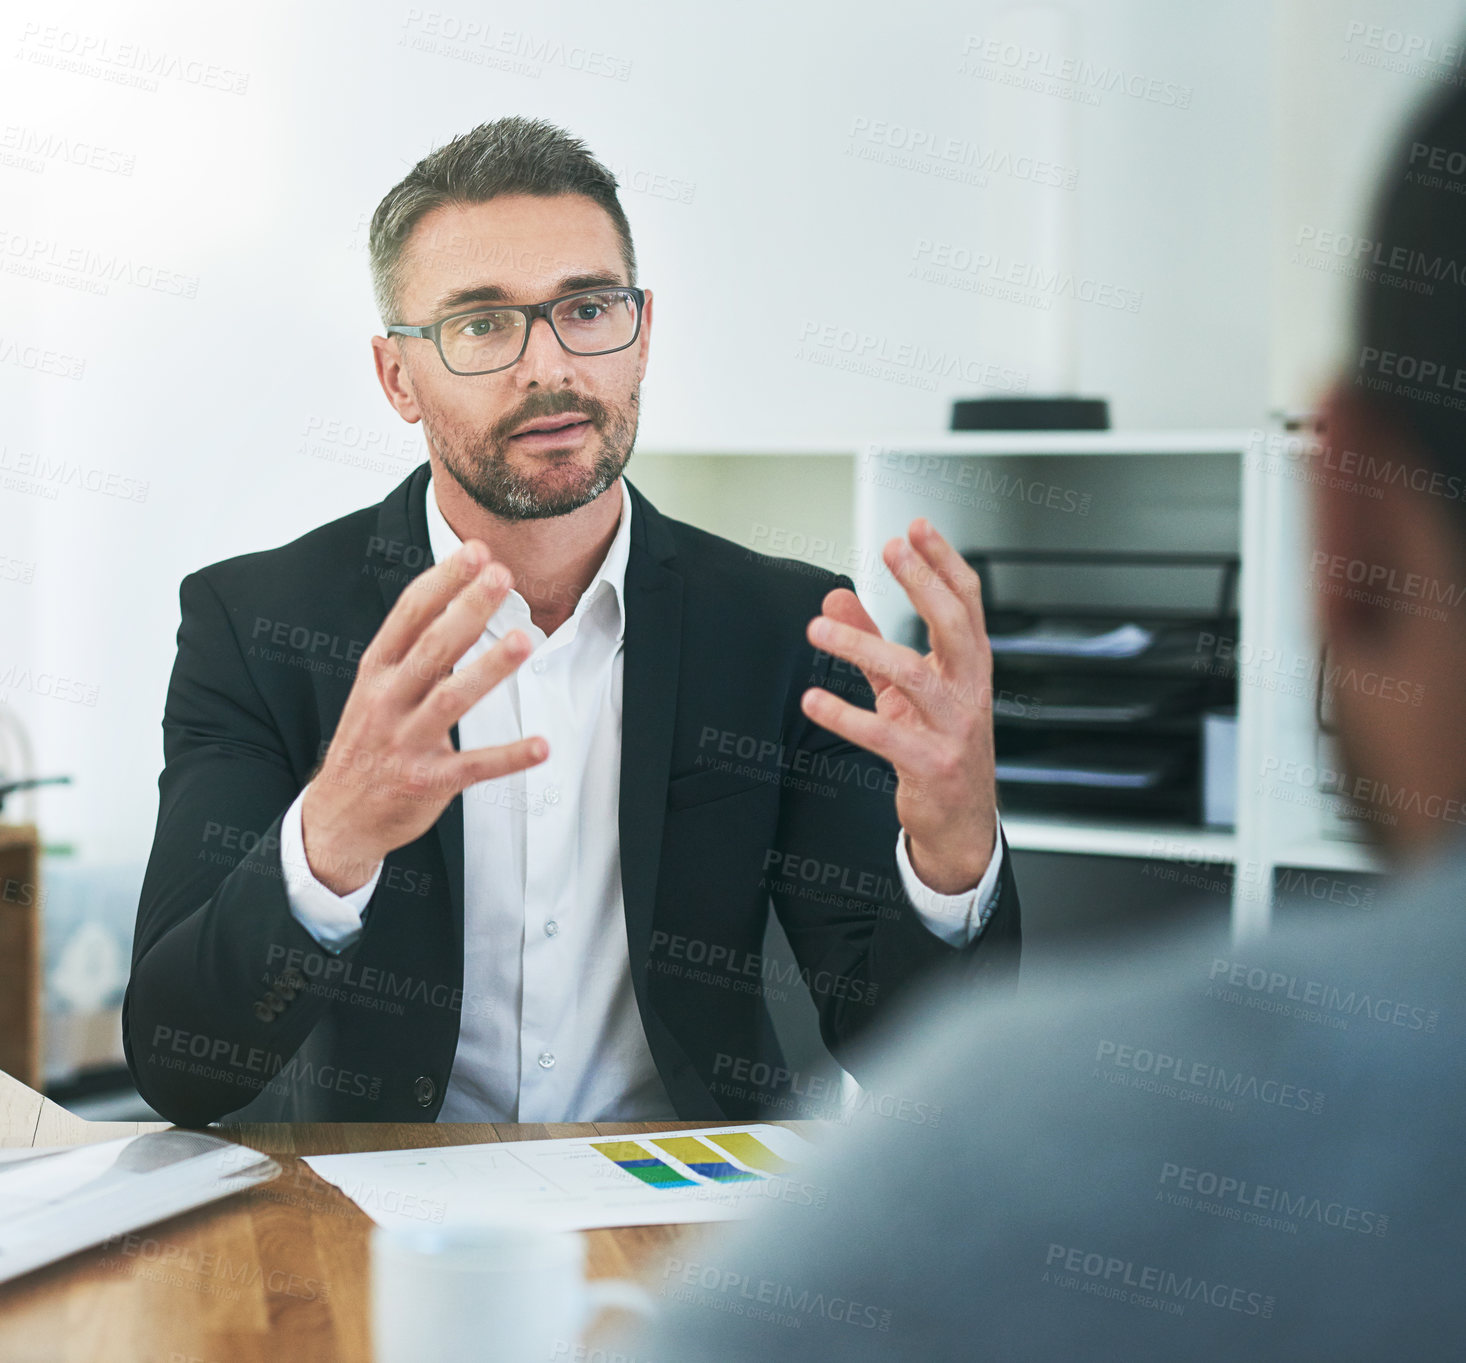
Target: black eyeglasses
[591,322]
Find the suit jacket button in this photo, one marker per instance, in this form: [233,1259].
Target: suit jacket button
[424,1090]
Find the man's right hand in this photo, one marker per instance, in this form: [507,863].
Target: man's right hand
[391,768]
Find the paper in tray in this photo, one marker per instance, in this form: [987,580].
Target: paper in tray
[1090,767]
[1064,640]
[1114,701]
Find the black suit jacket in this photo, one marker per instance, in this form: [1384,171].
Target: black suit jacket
[730,799]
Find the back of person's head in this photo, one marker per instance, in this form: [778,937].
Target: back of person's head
[1389,553]
[1411,303]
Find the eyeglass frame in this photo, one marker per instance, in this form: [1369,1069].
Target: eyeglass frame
[530,311]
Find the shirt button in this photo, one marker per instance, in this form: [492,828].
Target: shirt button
[552,795]
[551,928]
[538,665]
[547,1061]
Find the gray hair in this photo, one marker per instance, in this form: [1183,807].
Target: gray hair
[509,156]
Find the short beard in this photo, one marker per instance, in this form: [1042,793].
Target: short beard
[480,465]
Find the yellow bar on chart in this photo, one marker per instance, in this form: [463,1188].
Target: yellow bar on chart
[745,1146]
[703,1160]
[688,1149]
[623,1150]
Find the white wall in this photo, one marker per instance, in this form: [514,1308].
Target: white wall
[1348,76]
[257,203]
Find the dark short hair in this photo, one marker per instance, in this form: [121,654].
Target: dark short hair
[509,156]
[1410,321]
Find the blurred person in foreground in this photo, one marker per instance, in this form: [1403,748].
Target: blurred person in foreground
[1214,1151]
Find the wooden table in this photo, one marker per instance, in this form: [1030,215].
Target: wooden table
[271,1275]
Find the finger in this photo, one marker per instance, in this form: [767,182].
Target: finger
[842,605]
[949,627]
[455,695]
[864,728]
[431,659]
[884,663]
[959,575]
[420,602]
[503,759]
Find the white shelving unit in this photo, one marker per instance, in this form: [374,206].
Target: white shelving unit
[1107,838]
[1211,491]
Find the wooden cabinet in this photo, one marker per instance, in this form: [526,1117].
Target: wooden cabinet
[20,953]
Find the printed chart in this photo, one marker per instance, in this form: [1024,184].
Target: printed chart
[712,1174]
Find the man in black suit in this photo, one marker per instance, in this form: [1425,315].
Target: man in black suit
[350,914]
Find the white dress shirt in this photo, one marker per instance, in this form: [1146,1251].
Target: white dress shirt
[550,1030]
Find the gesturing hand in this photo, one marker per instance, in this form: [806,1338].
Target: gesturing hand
[391,768]
[933,719]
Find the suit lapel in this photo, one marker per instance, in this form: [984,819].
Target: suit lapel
[650,672]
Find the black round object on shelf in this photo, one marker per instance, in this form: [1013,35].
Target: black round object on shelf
[1030,414]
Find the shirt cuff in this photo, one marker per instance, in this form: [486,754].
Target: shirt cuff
[334,920]
[956,918]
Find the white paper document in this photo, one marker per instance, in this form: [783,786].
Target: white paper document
[54,1202]
[716,1173]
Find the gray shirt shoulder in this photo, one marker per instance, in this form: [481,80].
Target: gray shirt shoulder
[1197,1151]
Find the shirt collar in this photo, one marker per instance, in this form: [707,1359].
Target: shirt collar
[610,576]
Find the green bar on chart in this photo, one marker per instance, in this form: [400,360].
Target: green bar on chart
[640,1162]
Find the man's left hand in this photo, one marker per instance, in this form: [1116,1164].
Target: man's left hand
[933,720]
